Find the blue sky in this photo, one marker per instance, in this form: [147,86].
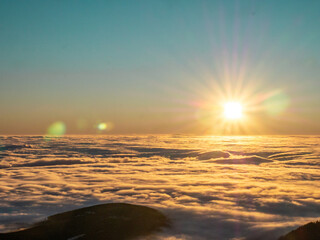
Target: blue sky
[139,64]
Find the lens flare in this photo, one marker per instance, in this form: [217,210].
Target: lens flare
[56,129]
[276,104]
[102,126]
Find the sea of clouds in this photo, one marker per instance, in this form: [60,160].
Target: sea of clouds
[210,187]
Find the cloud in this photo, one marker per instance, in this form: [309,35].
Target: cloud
[213,154]
[211,188]
[249,160]
[42,163]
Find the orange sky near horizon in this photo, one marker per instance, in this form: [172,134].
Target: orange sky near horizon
[159,67]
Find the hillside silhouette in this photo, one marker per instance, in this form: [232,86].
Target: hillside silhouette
[113,221]
[310,231]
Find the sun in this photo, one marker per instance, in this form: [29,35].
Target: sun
[232,110]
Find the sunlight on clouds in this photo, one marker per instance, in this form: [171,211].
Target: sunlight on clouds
[248,185]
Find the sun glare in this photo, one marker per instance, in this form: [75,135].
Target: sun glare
[232,110]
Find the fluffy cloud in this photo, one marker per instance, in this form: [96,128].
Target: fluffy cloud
[211,187]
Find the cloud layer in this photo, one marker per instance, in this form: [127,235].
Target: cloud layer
[211,187]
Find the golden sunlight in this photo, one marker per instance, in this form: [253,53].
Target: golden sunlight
[232,110]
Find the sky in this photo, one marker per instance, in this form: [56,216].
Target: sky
[147,67]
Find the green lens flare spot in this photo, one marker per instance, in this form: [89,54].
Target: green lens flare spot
[56,129]
[276,104]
